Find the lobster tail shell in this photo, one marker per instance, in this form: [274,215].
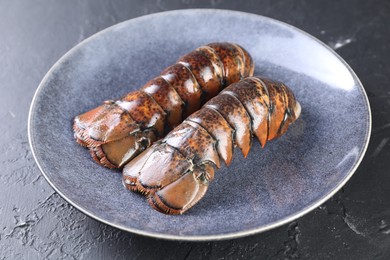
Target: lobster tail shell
[175,173]
[119,130]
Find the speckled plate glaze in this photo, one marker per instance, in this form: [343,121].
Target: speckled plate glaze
[273,186]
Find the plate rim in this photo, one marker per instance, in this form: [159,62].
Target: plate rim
[231,235]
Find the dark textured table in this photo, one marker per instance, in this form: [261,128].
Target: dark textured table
[35,223]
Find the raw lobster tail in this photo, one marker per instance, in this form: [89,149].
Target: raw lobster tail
[175,172]
[117,131]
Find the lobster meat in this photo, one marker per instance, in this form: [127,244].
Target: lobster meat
[174,173]
[117,131]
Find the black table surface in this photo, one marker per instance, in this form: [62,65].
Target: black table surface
[36,223]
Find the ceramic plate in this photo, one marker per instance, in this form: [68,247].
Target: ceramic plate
[273,186]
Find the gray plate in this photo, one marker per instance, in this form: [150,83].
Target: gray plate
[275,185]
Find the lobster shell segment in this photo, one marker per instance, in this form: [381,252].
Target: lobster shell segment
[119,130]
[237,117]
[218,128]
[256,103]
[175,172]
[194,142]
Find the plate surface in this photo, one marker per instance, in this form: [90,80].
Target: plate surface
[273,186]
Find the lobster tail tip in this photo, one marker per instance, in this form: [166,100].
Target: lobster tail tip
[155,168]
[180,195]
[111,135]
[170,181]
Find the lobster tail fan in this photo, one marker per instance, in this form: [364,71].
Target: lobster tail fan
[155,168]
[104,130]
[184,193]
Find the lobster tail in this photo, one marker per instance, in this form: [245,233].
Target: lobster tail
[175,173]
[119,130]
